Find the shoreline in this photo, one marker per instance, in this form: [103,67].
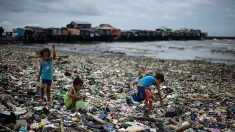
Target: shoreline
[111,52]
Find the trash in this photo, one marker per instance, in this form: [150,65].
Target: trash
[173,113]
[185,125]
[80,105]
[34,126]
[135,128]
[7,117]
[67,73]
[101,94]
[20,111]
[102,116]
[196,96]
[109,127]
[24,128]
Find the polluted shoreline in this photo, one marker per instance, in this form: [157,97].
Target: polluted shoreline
[215,51]
[198,95]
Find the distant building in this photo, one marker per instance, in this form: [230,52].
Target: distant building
[105,29]
[74,32]
[21,32]
[163,29]
[164,32]
[108,30]
[79,25]
[59,31]
[54,31]
[116,32]
[36,30]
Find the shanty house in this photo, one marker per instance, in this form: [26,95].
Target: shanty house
[73,32]
[116,32]
[106,29]
[59,31]
[36,30]
[21,33]
[79,25]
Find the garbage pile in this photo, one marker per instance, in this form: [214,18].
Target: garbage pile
[199,96]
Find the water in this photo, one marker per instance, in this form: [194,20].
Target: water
[179,50]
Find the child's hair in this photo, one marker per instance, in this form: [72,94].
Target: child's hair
[160,76]
[45,50]
[77,81]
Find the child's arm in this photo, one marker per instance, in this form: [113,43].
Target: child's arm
[74,95]
[53,51]
[159,92]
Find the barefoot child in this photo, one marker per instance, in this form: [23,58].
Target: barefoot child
[144,92]
[45,73]
[74,94]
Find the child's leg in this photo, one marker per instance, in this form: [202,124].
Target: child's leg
[150,107]
[48,93]
[149,101]
[48,90]
[42,90]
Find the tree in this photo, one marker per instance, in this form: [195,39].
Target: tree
[1,31]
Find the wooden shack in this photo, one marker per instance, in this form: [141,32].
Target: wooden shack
[79,25]
[73,35]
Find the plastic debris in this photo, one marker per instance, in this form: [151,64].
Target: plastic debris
[198,96]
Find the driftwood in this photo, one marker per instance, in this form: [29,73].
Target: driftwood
[174,127]
[151,119]
[201,99]
[6,128]
[172,121]
[229,95]
[183,127]
[14,94]
[96,118]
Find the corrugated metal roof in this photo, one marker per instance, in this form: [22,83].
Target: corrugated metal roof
[105,28]
[80,22]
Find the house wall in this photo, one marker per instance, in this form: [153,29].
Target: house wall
[54,31]
[64,31]
[74,32]
[116,32]
[21,32]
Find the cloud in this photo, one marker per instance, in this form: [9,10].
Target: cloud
[166,16]
[33,24]
[125,14]
[8,26]
[50,6]
[188,12]
[230,12]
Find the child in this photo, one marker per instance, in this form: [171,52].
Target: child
[45,73]
[73,95]
[144,92]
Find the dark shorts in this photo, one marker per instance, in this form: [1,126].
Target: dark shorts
[142,94]
[47,82]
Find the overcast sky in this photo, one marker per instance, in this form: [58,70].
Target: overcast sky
[217,17]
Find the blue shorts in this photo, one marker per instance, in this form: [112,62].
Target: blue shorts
[45,81]
[140,96]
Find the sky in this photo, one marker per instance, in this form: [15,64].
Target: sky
[216,17]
